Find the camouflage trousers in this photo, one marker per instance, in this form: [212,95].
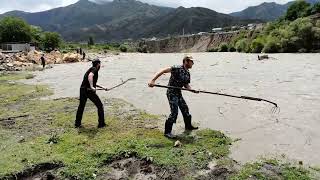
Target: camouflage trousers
[176,101]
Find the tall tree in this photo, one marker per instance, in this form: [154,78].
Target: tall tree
[90,42]
[316,8]
[51,41]
[13,29]
[298,9]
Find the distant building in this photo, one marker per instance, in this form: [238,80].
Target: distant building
[217,30]
[202,33]
[16,47]
[234,28]
[251,26]
[153,39]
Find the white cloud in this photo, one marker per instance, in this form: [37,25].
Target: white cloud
[32,5]
[225,6]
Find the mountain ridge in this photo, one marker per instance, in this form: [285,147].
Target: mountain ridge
[124,19]
[267,11]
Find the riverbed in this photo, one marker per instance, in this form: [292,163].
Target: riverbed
[291,80]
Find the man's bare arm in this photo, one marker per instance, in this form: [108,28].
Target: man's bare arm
[90,79]
[189,88]
[158,74]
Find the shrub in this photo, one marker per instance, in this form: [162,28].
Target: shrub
[123,48]
[143,49]
[90,41]
[272,46]
[289,45]
[242,45]
[106,47]
[223,47]
[256,46]
[232,49]
[297,10]
[213,50]
[51,41]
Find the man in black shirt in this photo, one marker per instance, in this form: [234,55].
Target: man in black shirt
[83,55]
[43,61]
[88,90]
[180,77]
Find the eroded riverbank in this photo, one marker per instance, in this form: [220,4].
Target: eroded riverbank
[291,80]
[38,141]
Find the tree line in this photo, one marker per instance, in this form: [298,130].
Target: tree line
[293,32]
[14,29]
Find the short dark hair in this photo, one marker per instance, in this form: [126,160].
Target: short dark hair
[95,62]
[187,58]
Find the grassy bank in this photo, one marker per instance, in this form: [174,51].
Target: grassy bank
[37,138]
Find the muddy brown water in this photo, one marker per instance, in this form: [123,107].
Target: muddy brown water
[291,80]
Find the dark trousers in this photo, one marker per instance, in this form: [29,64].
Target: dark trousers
[43,63]
[176,101]
[84,95]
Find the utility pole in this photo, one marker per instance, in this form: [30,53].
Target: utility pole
[183,31]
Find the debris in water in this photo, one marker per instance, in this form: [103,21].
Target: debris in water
[177,144]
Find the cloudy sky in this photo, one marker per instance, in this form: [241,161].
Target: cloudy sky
[225,6]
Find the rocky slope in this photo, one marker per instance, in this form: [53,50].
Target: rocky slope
[195,43]
[125,19]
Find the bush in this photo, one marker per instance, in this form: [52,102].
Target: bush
[223,47]
[289,45]
[232,49]
[316,8]
[123,48]
[143,49]
[90,42]
[297,10]
[256,46]
[106,47]
[213,50]
[51,41]
[242,45]
[272,46]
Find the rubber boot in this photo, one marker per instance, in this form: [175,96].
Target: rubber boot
[102,124]
[168,129]
[188,125]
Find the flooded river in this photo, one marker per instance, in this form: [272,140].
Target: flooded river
[291,80]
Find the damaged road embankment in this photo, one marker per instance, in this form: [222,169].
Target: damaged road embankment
[190,43]
[31,60]
[38,140]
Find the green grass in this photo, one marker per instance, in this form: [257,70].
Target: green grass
[272,169]
[34,131]
[48,135]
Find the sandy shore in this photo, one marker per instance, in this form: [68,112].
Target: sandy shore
[291,80]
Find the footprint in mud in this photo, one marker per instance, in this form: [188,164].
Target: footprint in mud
[131,168]
[43,171]
[134,168]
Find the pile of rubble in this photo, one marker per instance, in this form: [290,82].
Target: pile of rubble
[23,60]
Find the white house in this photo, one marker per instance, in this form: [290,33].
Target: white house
[217,30]
[16,47]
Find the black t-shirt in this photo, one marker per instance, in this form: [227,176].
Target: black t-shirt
[179,78]
[85,82]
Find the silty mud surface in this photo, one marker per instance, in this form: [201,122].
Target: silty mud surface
[291,80]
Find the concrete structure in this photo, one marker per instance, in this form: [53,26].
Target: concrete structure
[16,47]
[217,30]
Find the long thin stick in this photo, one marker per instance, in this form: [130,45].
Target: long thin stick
[219,94]
[123,82]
